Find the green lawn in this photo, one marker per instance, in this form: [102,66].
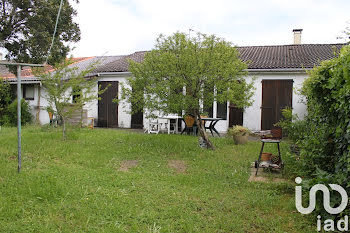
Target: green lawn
[76,185]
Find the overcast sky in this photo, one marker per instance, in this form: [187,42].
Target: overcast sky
[118,27]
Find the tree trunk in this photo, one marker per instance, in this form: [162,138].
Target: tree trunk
[202,132]
[81,117]
[64,128]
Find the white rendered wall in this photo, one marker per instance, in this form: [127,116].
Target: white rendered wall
[38,104]
[124,118]
[252,115]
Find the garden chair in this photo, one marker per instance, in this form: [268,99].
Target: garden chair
[53,121]
[189,125]
[154,126]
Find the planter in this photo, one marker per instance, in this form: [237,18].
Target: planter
[240,138]
[265,157]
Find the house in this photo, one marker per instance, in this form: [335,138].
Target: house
[278,70]
[35,94]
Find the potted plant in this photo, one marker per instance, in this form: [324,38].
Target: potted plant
[239,134]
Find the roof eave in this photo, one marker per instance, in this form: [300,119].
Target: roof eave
[23,81]
[119,74]
[279,70]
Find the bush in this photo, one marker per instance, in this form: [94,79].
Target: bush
[10,116]
[292,126]
[238,130]
[5,98]
[324,140]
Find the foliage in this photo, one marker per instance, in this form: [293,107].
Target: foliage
[64,83]
[345,34]
[10,116]
[76,185]
[26,29]
[5,97]
[238,130]
[292,125]
[325,144]
[182,72]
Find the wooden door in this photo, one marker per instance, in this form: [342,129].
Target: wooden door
[235,116]
[107,109]
[276,95]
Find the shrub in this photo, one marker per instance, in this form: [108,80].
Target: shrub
[5,99]
[10,116]
[325,139]
[238,130]
[292,126]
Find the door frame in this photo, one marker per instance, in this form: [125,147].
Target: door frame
[109,96]
[275,98]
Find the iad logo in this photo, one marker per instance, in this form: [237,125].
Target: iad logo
[326,198]
[342,225]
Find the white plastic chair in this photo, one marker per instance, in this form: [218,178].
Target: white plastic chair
[153,126]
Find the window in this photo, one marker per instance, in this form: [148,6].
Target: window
[76,94]
[209,110]
[208,100]
[221,110]
[28,92]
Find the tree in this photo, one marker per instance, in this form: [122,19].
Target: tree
[27,26]
[183,72]
[64,83]
[345,34]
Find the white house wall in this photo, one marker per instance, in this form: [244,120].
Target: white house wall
[252,115]
[36,106]
[124,118]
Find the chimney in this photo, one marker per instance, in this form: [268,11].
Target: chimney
[297,36]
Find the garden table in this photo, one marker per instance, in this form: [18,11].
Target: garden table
[213,122]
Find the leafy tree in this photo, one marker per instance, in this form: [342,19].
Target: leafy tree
[27,26]
[177,74]
[64,83]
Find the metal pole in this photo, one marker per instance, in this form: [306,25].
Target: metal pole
[19,98]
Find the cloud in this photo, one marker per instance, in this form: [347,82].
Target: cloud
[120,27]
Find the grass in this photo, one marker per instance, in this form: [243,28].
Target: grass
[75,185]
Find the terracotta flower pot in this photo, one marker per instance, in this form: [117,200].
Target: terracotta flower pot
[241,138]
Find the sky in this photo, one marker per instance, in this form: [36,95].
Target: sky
[120,27]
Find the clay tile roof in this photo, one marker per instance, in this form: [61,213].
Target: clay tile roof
[288,56]
[122,64]
[80,63]
[258,57]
